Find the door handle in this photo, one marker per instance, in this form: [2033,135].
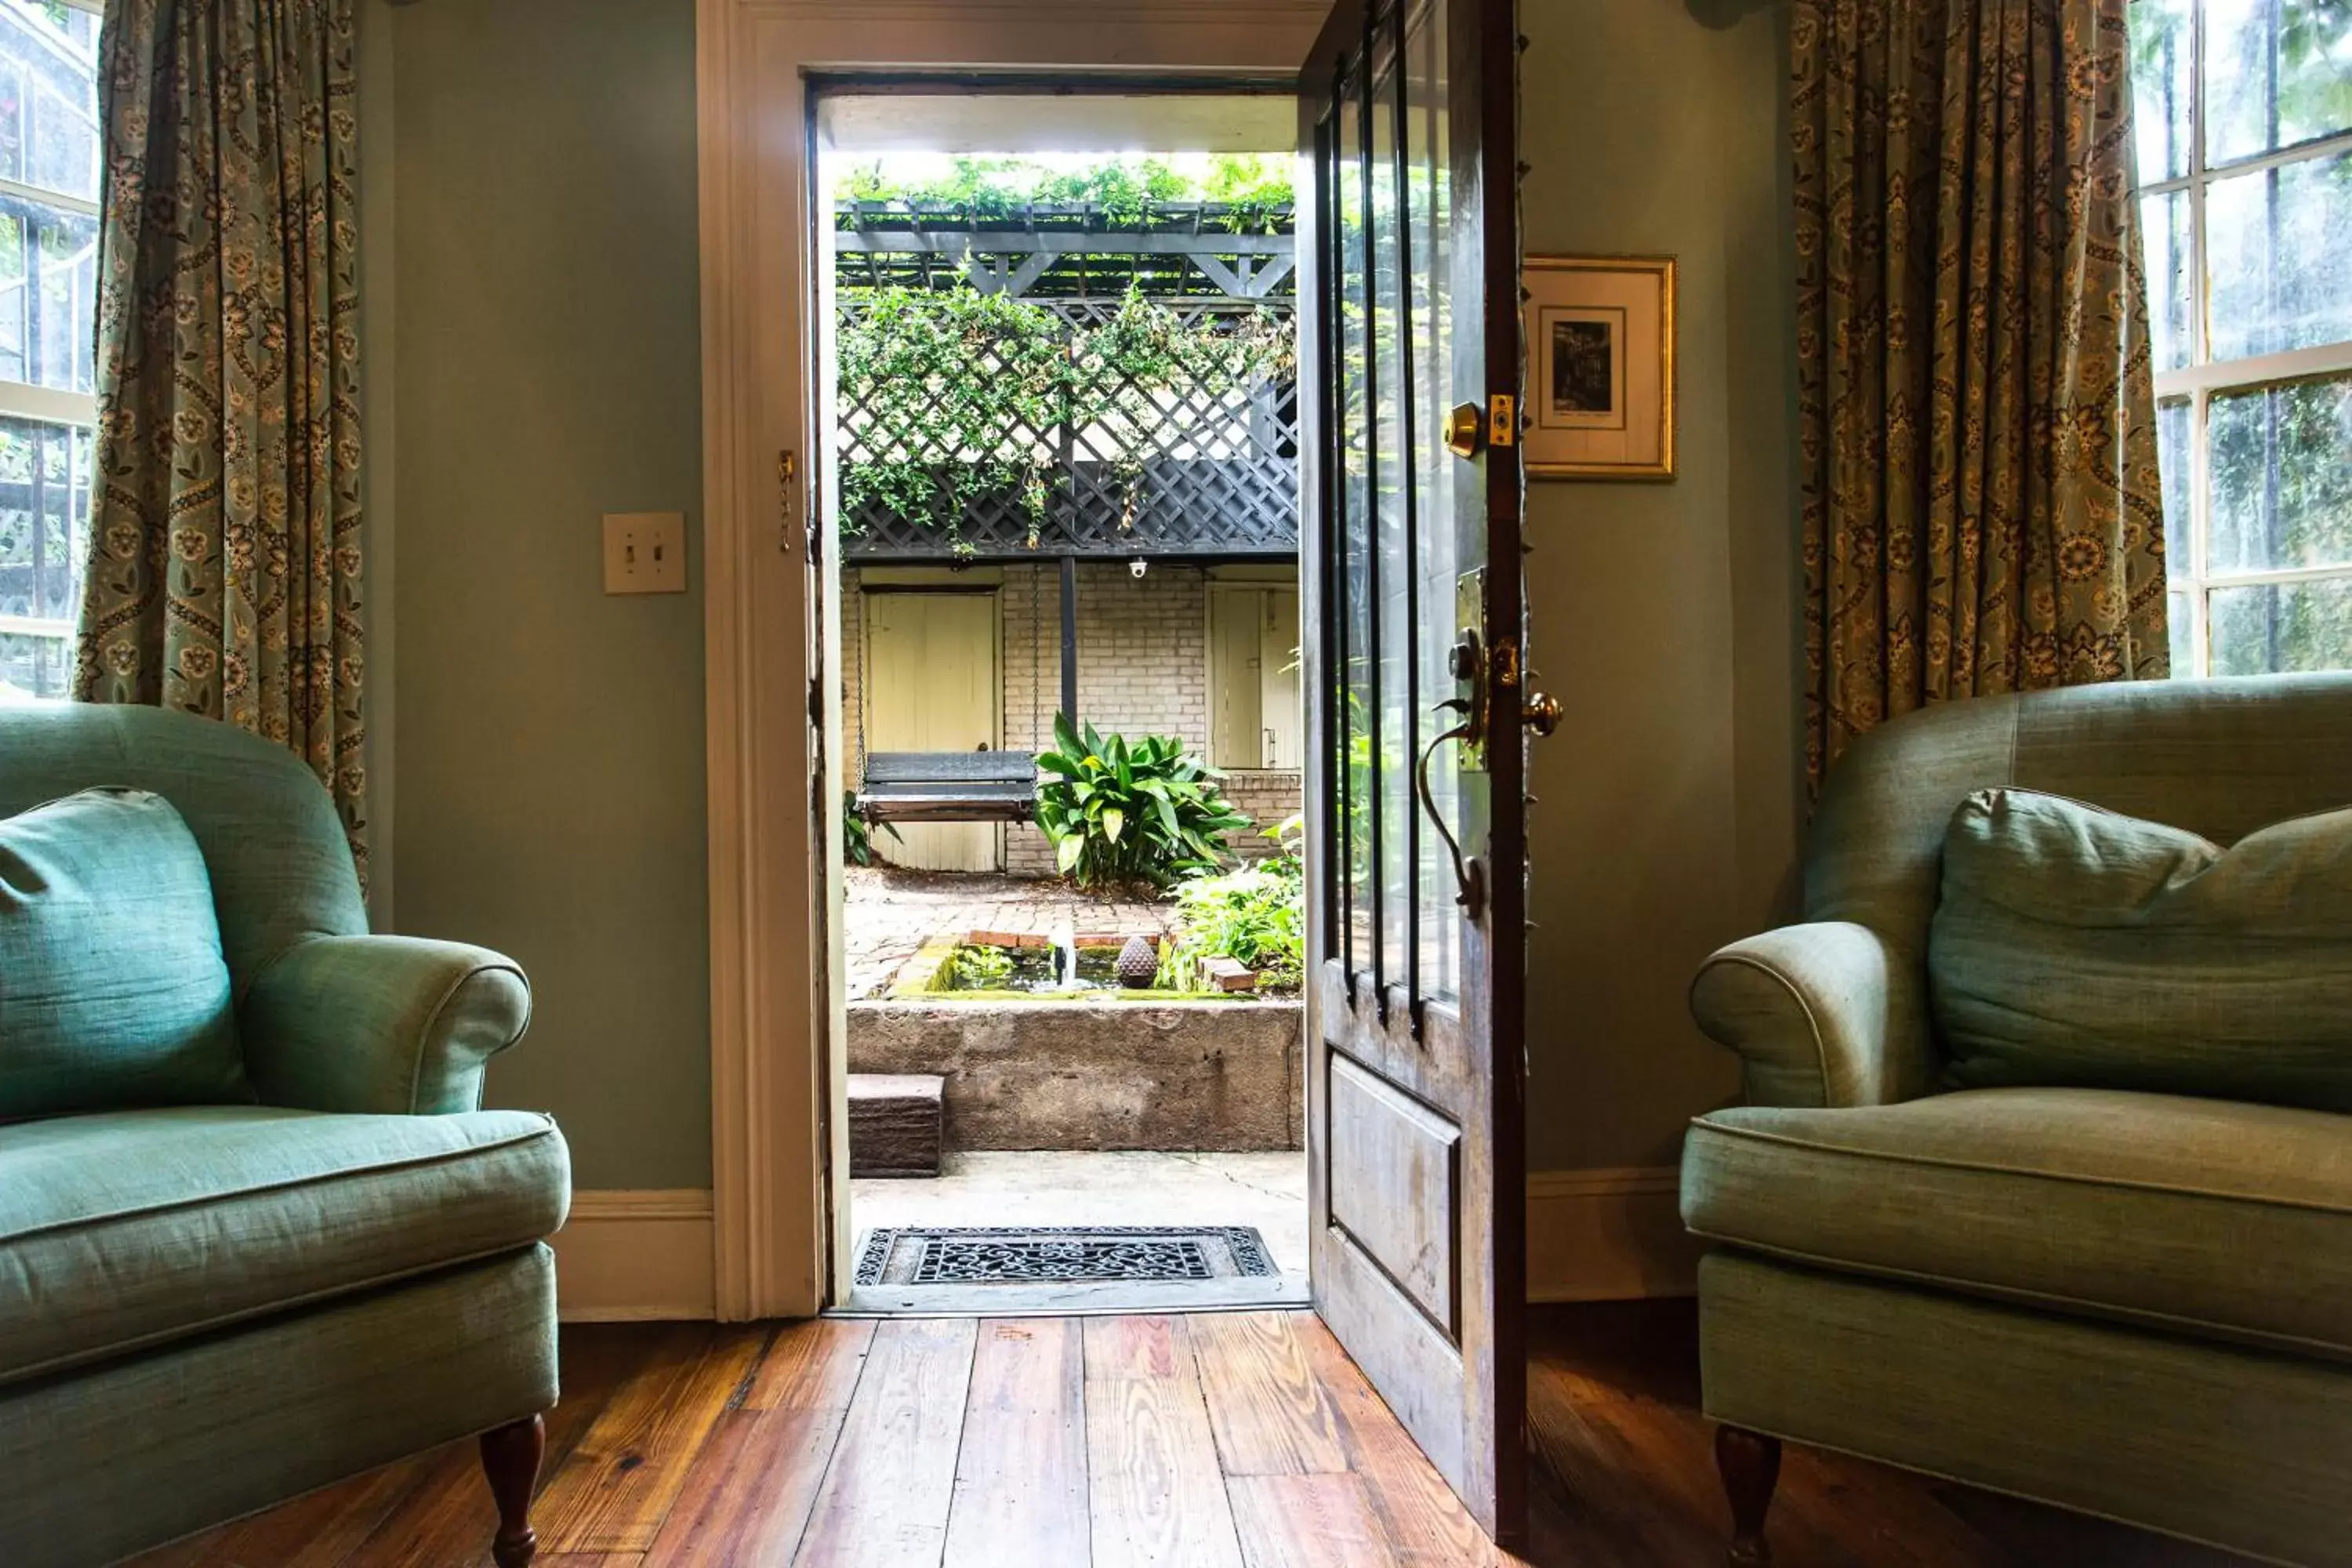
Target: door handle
[1540,712]
[1467,876]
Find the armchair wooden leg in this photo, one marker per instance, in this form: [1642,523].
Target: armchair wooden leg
[1750,1464]
[511,1455]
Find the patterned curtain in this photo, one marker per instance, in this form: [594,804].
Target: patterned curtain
[223,577]
[1981,511]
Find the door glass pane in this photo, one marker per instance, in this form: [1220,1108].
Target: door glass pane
[1392,477]
[2274,74]
[2282,626]
[2181,636]
[2164,238]
[2279,254]
[1354,414]
[2281,477]
[1429,213]
[2161,75]
[49,281]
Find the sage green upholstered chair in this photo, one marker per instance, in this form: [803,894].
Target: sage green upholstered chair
[2129,1302]
[207,1308]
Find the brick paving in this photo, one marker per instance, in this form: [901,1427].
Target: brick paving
[890,911]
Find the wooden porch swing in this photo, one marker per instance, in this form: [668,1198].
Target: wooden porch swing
[949,786]
[981,785]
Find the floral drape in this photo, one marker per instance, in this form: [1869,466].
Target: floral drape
[1979,467]
[223,577]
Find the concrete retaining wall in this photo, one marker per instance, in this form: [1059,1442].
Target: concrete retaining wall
[1201,1076]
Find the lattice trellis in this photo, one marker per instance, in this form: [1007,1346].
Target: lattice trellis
[1191,471]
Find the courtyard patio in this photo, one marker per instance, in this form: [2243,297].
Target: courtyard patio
[890,911]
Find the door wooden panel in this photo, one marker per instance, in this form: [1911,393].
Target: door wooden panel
[1393,1187]
[932,686]
[1412,623]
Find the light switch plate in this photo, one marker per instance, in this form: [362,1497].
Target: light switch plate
[644,552]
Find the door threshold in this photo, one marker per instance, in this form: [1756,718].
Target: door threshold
[1107,1298]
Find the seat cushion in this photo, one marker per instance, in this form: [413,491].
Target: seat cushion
[129,1228]
[2208,1217]
[113,991]
[2076,946]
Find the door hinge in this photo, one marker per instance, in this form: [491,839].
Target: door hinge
[1502,420]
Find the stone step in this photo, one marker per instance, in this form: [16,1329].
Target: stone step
[894,1123]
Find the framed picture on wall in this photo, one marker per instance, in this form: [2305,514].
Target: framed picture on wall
[1601,368]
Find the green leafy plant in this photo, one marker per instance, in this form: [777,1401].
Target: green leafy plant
[856,837]
[981,968]
[1255,190]
[1180,968]
[1253,916]
[1120,813]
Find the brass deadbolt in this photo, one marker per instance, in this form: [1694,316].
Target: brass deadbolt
[1466,429]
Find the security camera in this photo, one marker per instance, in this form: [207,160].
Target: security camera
[1136,567]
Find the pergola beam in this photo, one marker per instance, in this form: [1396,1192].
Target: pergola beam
[1012,262]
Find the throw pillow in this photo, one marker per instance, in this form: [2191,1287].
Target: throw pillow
[114,992]
[2074,946]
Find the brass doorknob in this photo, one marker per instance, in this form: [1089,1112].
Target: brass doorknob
[1540,713]
[1466,429]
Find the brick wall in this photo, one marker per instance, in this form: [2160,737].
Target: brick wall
[1142,669]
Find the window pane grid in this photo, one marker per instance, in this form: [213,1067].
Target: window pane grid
[2283,599]
[49,289]
[2301,152]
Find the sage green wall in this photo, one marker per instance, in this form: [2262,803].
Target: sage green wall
[549,749]
[550,739]
[1664,614]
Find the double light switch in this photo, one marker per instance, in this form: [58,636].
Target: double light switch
[644,552]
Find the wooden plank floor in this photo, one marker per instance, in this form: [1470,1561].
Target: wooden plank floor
[1240,1440]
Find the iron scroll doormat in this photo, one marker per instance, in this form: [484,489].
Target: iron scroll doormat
[1055,1255]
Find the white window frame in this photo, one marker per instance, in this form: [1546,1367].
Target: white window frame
[49,405]
[2202,378]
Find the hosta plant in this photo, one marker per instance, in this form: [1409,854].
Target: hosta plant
[1120,812]
[1254,915]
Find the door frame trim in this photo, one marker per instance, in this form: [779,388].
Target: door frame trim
[774,1128]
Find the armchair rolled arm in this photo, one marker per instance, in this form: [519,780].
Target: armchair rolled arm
[390,1025]
[1822,1013]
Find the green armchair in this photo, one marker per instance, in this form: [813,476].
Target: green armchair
[2138,1305]
[207,1309]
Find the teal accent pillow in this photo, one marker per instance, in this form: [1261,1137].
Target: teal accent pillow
[114,992]
[2080,948]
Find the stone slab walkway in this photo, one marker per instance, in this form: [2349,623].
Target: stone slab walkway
[889,911]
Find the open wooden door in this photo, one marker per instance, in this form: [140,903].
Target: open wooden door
[1416,712]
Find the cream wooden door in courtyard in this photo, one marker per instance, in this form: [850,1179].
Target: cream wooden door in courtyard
[931,686]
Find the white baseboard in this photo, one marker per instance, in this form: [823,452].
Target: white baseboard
[1592,1236]
[635,1256]
[1607,1235]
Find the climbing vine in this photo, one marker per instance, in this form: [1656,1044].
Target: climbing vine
[1253,191]
[955,395]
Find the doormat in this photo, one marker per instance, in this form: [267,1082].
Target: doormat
[1059,1255]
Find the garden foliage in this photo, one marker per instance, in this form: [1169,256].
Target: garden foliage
[1120,813]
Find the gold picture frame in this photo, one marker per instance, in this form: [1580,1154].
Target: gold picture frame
[1600,367]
